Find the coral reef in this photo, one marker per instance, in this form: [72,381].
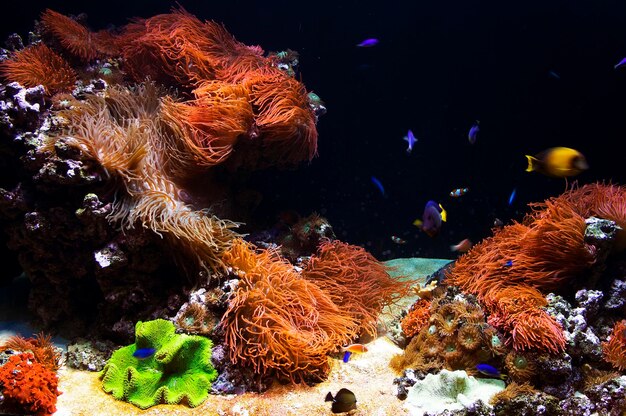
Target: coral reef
[137,177]
[456,338]
[512,271]
[27,386]
[179,369]
[284,323]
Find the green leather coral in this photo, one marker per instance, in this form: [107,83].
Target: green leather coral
[180,367]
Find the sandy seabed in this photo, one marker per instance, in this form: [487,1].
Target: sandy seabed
[367,375]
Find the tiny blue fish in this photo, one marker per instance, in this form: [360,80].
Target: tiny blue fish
[554,75]
[508,263]
[472,135]
[490,371]
[379,185]
[368,43]
[346,356]
[620,63]
[143,353]
[411,140]
[512,196]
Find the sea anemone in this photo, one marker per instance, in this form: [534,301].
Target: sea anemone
[520,367]
[279,323]
[39,65]
[194,318]
[512,391]
[355,281]
[615,348]
[43,350]
[469,337]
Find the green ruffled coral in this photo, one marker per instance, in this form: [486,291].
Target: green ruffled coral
[180,369]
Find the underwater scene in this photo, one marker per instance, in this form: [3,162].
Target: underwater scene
[313,208]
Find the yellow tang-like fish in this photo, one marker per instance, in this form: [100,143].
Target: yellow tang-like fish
[559,162]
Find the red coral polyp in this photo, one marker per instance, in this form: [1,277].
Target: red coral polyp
[417,318]
[27,386]
[615,349]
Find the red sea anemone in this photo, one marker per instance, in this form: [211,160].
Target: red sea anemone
[39,65]
[615,349]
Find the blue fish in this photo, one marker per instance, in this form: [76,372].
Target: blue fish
[143,353]
[346,356]
[411,140]
[490,371]
[508,263]
[472,135]
[554,75]
[620,63]
[368,43]
[512,196]
[379,185]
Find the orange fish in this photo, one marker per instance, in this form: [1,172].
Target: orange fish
[355,348]
[462,247]
[352,348]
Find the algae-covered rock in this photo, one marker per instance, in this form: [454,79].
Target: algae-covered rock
[180,368]
[450,390]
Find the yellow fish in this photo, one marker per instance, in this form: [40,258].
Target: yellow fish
[559,162]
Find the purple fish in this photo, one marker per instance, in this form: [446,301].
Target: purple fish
[411,140]
[472,136]
[620,64]
[368,43]
[434,215]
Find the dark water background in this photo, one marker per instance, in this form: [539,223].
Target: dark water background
[440,66]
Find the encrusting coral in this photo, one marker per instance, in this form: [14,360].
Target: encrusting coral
[27,386]
[179,369]
[416,318]
[512,271]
